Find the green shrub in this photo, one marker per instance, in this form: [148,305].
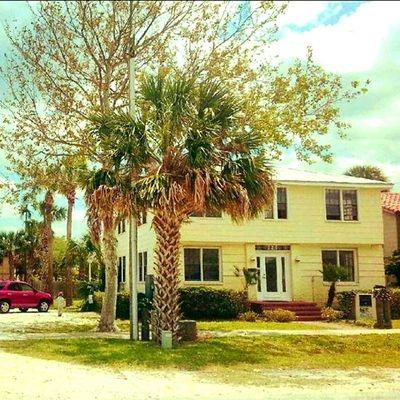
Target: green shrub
[395,303]
[249,316]
[208,303]
[122,304]
[331,315]
[279,315]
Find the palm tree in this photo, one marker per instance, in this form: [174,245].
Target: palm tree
[203,156]
[367,172]
[10,247]
[50,213]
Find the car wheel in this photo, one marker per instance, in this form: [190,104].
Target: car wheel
[4,307]
[43,306]
[23,309]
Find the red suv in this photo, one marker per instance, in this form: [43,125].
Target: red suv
[20,295]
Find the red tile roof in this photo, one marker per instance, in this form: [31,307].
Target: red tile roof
[391,202]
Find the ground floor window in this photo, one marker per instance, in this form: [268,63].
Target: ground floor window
[342,258]
[122,269]
[201,264]
[142,266]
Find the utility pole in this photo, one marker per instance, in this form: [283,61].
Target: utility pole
[132,247]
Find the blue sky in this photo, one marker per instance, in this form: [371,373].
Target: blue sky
[357,39]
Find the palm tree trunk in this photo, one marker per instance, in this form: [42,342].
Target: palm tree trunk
[108,309]
[166,281]
[69,283]
[47,241]
[11,266]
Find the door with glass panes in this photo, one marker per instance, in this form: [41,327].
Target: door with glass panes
[274,276]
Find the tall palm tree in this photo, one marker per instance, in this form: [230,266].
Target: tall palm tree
[203,156]
[50,213]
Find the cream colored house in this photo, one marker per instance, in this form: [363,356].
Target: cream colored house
[317,219]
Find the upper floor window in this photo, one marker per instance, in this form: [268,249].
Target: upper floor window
[279,207]
[201,265]
[142,266]
[340,258]
[341,205]
[121,226]
[142,218]
[121,269]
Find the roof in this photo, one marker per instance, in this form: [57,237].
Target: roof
[391,202]
[289,175]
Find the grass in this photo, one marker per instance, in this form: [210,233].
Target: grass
[224,356]
[225,326]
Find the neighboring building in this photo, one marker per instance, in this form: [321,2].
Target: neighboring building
[316,219]
[391,222]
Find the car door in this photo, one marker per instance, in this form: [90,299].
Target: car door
[28,295]
[15,293]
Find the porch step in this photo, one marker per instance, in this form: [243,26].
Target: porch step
[305,311]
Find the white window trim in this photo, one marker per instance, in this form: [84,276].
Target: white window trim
[341,205]
[355,258]
[275,206]
[201,281]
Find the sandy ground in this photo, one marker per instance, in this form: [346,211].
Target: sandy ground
[28,378]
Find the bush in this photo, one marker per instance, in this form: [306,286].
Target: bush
[249,316]
[209,303]
[83,289]
[279,315]
[395,303]
[122,304]
[331,315]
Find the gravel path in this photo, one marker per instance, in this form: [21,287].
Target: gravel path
[31,379]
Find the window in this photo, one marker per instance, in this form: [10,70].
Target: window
[142,266]
[341,205]
[279,207]
[342,258]
[26,288]
[121,269]
[121,226]
[201,265]
[14,286]
[2,286]
[142,219]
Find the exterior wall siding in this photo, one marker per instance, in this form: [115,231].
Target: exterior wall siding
[391,233]
[306,231]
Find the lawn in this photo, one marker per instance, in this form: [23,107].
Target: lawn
[246,356]
[225,326]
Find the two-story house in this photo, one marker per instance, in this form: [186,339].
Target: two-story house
[316,220]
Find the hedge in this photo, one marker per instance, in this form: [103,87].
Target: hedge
[196,303]
[395,303]
[122,311]
[209,303]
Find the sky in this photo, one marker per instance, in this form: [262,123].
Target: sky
[356,39]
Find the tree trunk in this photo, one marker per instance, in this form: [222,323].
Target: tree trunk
[69,285]
[11,271]
[166,313]
[47,241]
[331,294]
[108,309]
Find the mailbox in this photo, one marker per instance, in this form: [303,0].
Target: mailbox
[365,306]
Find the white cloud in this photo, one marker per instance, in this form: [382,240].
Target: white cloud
[351,45]
[302,12]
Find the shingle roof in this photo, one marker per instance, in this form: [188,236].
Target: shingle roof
[391,202]
[294,175]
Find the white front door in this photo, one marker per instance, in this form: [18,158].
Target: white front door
[273,283]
